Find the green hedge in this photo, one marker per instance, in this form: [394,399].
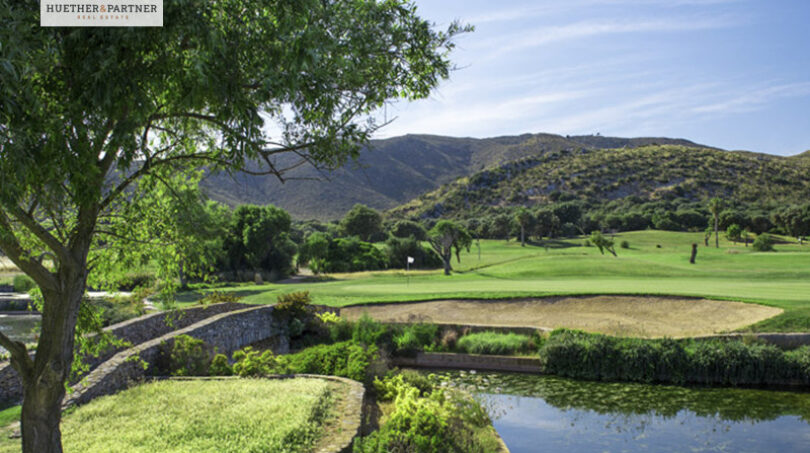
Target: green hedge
[599,357]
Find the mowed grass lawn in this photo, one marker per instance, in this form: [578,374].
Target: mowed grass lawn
[233,415]
[566,267]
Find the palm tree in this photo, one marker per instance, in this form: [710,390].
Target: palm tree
[523,217]
[715,205]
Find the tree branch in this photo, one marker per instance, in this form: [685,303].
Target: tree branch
[16,254]
[40,232]
[19,356]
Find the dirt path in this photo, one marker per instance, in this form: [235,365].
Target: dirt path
[615,315]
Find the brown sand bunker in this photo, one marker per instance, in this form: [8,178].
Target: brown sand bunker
[615,315]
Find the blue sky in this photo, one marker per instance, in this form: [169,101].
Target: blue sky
[728,73]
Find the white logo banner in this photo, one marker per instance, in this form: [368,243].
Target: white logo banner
[101,13]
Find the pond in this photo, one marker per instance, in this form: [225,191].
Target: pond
[19,327]
[543,413]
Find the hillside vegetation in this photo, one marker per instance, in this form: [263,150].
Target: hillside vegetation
[617,180]
[392,171]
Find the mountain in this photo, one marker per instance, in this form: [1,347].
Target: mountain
[678,173]
[392,171]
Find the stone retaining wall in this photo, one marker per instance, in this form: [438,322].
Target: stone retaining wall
[135,331]
[471,362]
[227,332]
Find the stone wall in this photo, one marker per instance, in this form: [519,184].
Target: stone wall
[134,331]
[227,332]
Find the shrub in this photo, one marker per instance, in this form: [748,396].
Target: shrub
[599,357]
[397,251]
[428,420]
[189,356]
[416,337]
[251,363]
[493,343]
[292,305]
[340,330]
[624,245]
[763,243]
[368,331]
[449,339]
[23,284]
[347,359]
[218,297]
[219,366]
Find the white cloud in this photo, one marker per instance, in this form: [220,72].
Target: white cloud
[749,100]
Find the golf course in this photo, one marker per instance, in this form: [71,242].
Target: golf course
[655,263]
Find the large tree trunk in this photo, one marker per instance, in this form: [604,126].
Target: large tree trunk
[522,236]
[44,388]
[447,267]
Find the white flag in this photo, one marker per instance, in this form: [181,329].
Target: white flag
[410,260]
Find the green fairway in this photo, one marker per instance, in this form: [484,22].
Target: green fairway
[567,267]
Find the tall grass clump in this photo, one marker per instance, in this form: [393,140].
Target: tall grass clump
[493,343]
[718,362]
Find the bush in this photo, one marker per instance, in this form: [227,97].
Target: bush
[599,357]
[624,245]
[368,331]
[23,284]
[425,419]
[397,251]
[292,305]
[251,363]
[493,343]
[219,366]
[763,243]
[347,359]
[416,337]
[189,356]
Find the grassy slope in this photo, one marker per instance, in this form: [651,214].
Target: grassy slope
[597,176]
[198,416]
[506,270]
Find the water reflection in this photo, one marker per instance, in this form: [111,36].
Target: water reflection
[535,413]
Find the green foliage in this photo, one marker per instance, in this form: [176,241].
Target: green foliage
[429,421]
[367,331]
[409,229]
[397,251]
[340,255]
[220,366]
[258,238]
[599,357]
[293,305]
[251,363]
[361,221]
[346,359]
[447,237]
[189,356]
[734,233]
[763,243]
[416,337]
[315,252]
[494,343]
[602,243]
[23,284]
[624,244]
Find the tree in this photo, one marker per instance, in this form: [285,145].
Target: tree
[602,243]
[447,237]
[524,218]
[314,251]
[734,233]
[409,228]
[715,206]
[546,223]
[361,221]
[259,239]
[86,112]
